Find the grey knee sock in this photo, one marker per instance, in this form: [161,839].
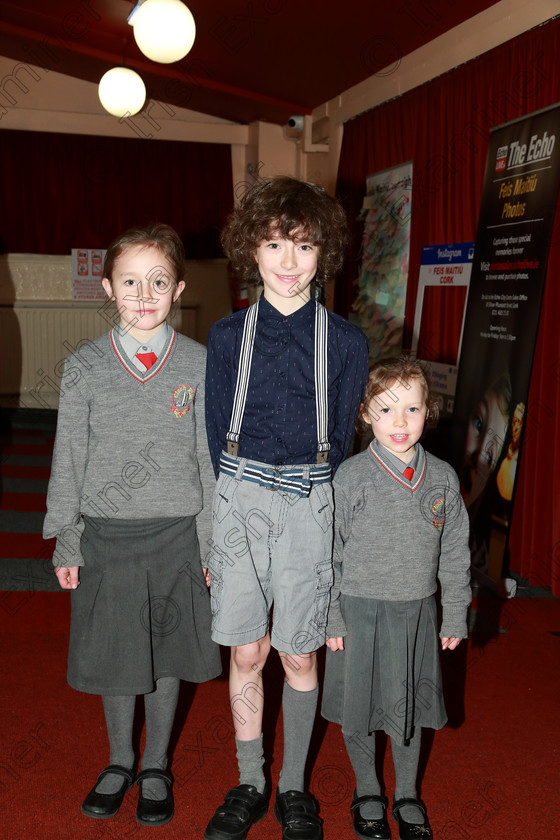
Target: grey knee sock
[160,706]
[405,759]
[361,752]
[119,717]
[298,713]
[250,760]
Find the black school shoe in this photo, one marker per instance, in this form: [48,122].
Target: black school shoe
[154,811]
[297,814]
[411,831]
[103,806]
[243,806]
[366,828]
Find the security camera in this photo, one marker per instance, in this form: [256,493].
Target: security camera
[296,122]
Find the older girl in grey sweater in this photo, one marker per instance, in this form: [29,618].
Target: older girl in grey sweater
[128,501]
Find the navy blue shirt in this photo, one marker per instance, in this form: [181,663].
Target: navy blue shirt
[279,425]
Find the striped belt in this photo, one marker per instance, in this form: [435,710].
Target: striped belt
[291,480]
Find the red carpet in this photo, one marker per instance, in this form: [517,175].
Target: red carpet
[24,501]
[32,545]
[491,774]
[22,471]
[495,777]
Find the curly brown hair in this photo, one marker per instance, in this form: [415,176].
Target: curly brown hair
[156,235]
[398,370]
[294,209]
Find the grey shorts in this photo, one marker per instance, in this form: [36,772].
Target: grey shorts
[270,546]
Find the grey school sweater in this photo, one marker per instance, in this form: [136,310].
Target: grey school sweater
[395,538]
[129,445]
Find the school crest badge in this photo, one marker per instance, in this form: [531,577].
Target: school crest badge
[181,400]
[438,513]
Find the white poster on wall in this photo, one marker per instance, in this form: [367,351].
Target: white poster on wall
[87,271]
[443,267]
[380,302]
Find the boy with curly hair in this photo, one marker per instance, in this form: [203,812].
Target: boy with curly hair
[284,383]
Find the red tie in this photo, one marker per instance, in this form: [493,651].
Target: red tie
[408,473]
[147,359]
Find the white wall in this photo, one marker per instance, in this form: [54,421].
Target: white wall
[40,323]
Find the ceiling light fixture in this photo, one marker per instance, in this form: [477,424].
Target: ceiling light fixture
[163,29]
[122,92]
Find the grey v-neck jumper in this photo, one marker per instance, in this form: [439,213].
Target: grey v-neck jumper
[394,539]
[129,445]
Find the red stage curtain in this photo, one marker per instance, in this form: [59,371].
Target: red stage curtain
[64,191]
[443,127]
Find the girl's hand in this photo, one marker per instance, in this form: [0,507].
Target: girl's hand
[68,576]
[336,643]
[206,573]
[449,644]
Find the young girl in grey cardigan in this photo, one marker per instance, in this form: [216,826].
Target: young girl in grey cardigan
[400,526]
[129,499]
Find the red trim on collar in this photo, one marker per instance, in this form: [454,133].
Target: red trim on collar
[154,370]
[398,476]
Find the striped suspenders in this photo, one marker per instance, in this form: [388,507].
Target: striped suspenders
[320,370]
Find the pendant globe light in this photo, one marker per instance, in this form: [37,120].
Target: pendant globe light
[122,92]
[163,29]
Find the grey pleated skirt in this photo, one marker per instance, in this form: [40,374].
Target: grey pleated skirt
[142,609]
[388,676]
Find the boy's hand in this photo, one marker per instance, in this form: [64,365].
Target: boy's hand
[68,576]
[449,644]
[206,573]
[336,643]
